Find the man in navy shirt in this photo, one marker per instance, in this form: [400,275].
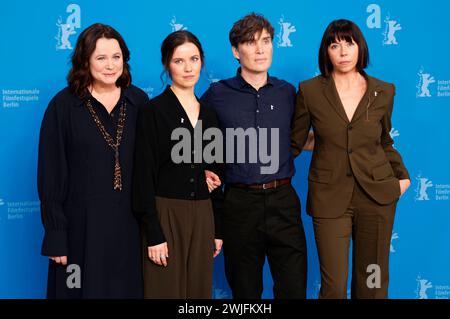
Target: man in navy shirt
[261,210]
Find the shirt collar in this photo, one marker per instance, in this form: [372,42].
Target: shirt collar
[242,83]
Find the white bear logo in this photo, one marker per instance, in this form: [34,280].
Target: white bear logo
[67,28]
[423,286]
[422,187]
[176,26]
[286,28]
[391,27]
[65,31]
[425,79]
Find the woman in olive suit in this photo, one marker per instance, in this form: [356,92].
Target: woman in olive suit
[356,176]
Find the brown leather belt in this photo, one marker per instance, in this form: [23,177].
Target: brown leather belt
[270,185]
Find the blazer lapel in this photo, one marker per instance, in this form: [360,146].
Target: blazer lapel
[372,93]
[332,96]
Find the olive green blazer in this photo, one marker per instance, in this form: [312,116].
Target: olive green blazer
[347,151]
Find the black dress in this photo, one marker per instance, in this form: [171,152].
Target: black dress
[83,216]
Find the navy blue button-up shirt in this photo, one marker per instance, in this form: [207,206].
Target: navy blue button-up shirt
[239,105]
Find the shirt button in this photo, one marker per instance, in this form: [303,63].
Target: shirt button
[192,166]
[350,127]
[257,95]
[350,151]
[257,111]
[192,194]
[191,180]
[349,174]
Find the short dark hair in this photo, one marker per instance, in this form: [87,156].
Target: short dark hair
[175,39]
[245,29]
[79,77]
[342,30]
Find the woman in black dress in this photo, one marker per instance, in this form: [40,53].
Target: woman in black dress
[84,174]
[181,232]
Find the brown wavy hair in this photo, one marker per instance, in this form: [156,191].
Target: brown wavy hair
[246,28]
[79,77]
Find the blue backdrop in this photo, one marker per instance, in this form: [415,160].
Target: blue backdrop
[408,42]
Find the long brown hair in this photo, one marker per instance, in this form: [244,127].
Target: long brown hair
[79,77]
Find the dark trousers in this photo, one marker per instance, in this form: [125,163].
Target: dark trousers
[370,227]
[260,223]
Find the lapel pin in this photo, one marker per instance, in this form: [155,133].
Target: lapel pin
[182,120]
[271,107]
[376,93]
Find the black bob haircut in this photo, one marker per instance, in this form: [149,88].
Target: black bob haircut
[339,30]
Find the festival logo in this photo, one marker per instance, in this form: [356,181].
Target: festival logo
[286,28]
[67,28]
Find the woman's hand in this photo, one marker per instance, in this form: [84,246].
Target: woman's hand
[404,184]
[59,260]
[212,180]
[159,254]
[217,247]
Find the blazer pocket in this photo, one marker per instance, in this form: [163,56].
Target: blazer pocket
[383,171]
[319,175]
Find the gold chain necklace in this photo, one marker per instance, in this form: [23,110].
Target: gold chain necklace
[114,145]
